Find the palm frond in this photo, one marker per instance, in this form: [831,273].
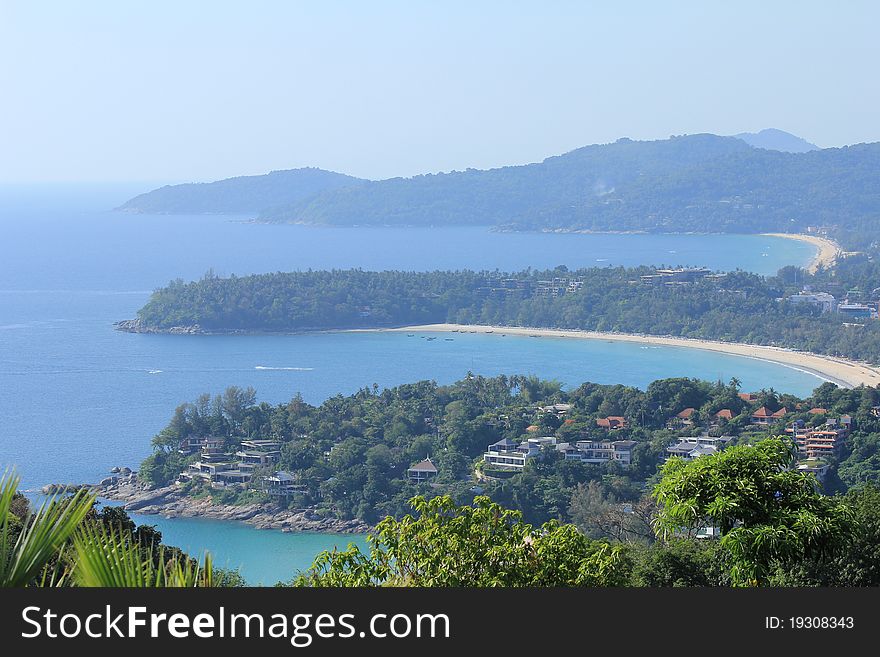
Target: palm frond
[105,558]
[42,536]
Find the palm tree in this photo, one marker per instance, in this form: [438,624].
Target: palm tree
[106,558]
[30,547]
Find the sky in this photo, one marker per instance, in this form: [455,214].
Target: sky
[196,90]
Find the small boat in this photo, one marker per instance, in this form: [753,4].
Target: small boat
[410,335]
[429,339]
[448,339]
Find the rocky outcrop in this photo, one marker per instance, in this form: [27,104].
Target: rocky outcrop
[172,502]
[63,489]
[137,326]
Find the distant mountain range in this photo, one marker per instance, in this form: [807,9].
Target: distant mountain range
[777,140]
[769,181]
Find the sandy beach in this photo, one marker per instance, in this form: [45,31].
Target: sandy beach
[845,373]
[829,250]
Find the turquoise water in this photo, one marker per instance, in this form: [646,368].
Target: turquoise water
[263,557]
[77,398]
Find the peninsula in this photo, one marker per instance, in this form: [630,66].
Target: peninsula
[343,465]
[830,313]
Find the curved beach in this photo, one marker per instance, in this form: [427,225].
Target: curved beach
[843,372]
[826,257]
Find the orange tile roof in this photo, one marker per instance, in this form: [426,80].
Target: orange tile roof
[686,413]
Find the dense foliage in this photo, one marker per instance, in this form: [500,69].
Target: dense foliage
[481,545]
[68,541]
[738,307]
[351,453]
[486,545]
[764,509]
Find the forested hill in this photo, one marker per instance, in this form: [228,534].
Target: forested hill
[527,194]
[700,183]
[737,307]
[241,195]
[691,183]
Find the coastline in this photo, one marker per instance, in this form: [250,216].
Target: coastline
[171,502]
[827,256]
[841,371]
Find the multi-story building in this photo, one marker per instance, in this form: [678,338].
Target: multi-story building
[506,454]
[605,451]
[826,303]
[283,485]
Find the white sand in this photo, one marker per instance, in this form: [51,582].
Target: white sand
[829,250]
[846,373]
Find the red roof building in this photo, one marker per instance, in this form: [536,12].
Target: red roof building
[764,416]
[612,422]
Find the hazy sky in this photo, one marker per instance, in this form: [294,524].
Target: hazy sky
[198,90]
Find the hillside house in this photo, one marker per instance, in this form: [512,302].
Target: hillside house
[764,416]
[611,423]
[422,472]
[682,420]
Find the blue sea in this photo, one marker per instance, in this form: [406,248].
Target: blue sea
[77,397]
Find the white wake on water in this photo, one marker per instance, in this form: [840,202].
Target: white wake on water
[289,369]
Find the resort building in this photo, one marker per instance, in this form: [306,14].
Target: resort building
[255,453]
[856,311]
[283,485]
[814,466]
[819,442]
[825,302]
[763,416]
[559,410]
[422,472]
[676,276]
[605,451]
[509,455]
